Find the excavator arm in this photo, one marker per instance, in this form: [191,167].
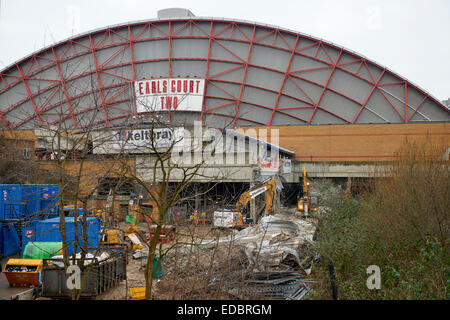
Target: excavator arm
[309,201]
[267,187]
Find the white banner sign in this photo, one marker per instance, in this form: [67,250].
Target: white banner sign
[268,167]
[286,165]
[162,138]
[183,94]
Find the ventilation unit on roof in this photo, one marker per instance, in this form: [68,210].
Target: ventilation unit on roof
[175,13]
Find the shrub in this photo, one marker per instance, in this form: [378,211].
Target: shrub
[402,227]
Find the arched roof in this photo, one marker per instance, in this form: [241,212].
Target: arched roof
[255,74]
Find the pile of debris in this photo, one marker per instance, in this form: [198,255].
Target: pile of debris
[277,240]
[274,240]
[268,260]
[280,258]
[275,285]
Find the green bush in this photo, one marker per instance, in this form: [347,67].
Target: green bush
[402,227]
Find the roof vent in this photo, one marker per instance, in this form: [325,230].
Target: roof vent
[175,13]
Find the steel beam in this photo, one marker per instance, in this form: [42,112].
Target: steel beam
[30,95]
[286,74]
[369,96]
[64,85]
[244,79]
[99,79]
[325,87]
[208,61]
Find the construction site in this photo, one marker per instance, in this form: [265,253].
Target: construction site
[194,158]
[215,231]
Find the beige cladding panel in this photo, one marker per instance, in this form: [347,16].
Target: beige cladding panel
[356,143]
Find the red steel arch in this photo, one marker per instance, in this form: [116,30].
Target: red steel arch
[255,74]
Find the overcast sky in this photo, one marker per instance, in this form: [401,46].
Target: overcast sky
[410,37]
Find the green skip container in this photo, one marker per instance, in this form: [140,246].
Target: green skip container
[42,250]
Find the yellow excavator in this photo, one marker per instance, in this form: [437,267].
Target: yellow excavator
[268,187]
[223,218]
[309,201]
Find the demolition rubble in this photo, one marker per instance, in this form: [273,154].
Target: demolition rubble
[269,260]
[278,252]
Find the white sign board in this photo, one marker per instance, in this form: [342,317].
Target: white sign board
[160,137]
[268,167]
[183,94]
[286,165]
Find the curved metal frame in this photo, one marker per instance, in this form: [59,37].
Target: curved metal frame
[228,36]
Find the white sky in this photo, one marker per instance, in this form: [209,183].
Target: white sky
[410,37]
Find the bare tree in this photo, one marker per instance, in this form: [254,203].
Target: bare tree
[162,169]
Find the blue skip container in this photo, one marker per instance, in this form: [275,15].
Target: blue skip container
[49,231]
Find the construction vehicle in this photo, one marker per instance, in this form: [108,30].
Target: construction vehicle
[136,243]
[135,204]
[309,202]
[268,187]
[131,232]
[108,206]
[234,218]
[112,237]
[227,218]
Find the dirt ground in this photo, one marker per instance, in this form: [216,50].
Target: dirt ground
[168,287]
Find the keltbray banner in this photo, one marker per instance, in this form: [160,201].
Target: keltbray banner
[140,138]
